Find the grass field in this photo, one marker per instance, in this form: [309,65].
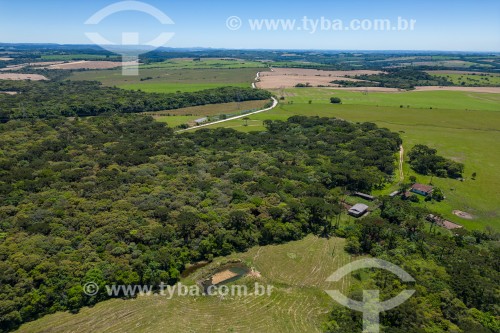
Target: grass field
[470,137]
[172,80]
[487,80]
[296,270]
[68,57]
[177,117]
[450,63]
[177,87]
[205,64]
[455,100]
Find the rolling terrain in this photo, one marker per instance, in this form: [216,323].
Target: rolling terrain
[462,126]
[297,271]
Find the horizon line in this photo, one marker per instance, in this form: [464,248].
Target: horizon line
[249,49]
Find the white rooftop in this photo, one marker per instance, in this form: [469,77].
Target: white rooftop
[358,208]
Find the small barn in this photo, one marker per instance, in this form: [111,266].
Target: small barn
[364,196]
[393,194]
[201,121]
[358,210]
[422,189]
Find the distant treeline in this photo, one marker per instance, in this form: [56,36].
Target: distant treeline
[86,98]
[401,78]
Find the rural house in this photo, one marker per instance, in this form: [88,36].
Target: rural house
[358,210]
[421,189]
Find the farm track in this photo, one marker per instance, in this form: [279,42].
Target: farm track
[275,103]
[401,161]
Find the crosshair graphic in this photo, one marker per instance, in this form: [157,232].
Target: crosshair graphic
[129,39]
[371,306]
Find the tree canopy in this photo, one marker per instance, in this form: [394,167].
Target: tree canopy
[425,161]
[88,98]
[124,200]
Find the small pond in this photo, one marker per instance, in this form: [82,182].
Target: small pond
[226,274]
[193,268]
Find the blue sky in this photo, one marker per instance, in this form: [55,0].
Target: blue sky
[441,24]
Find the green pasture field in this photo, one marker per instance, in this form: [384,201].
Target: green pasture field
[456,100]
[212,109]
[174,121]
[205,63]
[177,87]
[68,57]
[298,302]
[470,137]
[451,63]
[177,117]
[479,80]
[172,80]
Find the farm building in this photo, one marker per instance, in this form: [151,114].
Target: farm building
[201,121]
[364,196]
[393,194]
[422,189]
[358,210]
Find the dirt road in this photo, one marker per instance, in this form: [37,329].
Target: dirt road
[401,161]
[275,103]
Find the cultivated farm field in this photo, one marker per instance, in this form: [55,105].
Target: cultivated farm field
[290,77]
[19,76]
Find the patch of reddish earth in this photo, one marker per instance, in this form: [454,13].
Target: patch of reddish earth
[463,215]
[290,77]
[19,77]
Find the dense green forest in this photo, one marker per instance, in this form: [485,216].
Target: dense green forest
[87,98]
[457,280]
[426,161]
[123,200]
[401,78]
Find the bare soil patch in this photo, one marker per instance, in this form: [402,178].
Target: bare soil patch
[290,77]
[463,215]
[18,77]
[12,68]
[5,59]
[255,274]
[41,64]
[45,63]
[9,92]
[223,276]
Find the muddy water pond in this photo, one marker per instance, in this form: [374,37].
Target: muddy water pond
[226,274]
